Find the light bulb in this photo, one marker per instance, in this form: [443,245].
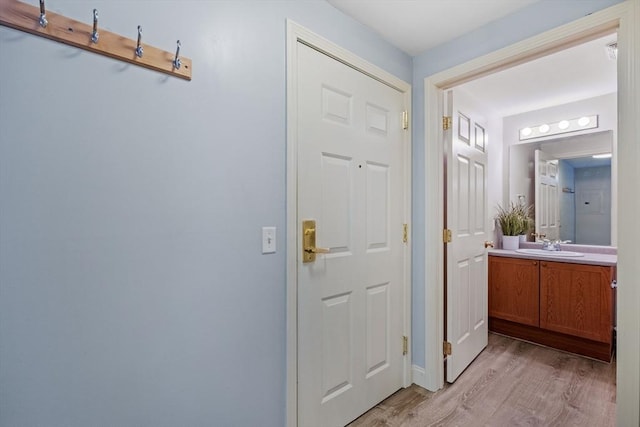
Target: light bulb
[526,131]
[583,121]
[563,124]
[544,128]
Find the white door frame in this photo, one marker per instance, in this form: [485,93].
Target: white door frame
[626,18]
[296,33]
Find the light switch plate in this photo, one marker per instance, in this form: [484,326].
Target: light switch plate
[268,240]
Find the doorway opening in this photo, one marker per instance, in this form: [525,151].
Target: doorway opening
[619,17]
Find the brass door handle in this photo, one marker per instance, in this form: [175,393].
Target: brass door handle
[313,250]
[309,249]
[488,244]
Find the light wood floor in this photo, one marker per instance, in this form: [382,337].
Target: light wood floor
[511,383]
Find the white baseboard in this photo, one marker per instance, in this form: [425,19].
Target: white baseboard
[419,376]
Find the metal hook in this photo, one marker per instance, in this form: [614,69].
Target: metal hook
[176,62]
[43,18]
[139,50]
[95,35]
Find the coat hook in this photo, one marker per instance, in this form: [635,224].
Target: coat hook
[139,50]
[176,62]
[43,18]
[95,35]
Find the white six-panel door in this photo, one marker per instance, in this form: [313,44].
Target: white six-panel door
[467,218]
[350,181]
[547,213]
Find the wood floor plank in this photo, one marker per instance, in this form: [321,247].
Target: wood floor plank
[511,383]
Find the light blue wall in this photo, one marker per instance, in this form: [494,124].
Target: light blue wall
[527,22]
[132,287]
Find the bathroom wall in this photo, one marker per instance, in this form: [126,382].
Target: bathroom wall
[593,205]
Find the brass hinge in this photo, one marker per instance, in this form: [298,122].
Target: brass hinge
[446,122]
[446,348]
[405,233]
[405,345]
[405,120]
[446,235]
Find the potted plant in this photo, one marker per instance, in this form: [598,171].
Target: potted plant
[526,216]
[513,222]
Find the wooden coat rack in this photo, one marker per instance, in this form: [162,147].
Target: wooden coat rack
[24,17]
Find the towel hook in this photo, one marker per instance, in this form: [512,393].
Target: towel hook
[43,17]
[94,34]
[139,50]
[176,62]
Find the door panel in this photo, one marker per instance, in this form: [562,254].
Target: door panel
[350,300]
[546,193]
[337,198]
[377,328]
[467,325]
[378,180]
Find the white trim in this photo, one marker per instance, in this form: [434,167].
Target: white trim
[628,322]
[419,376]
[627,16]
[296,33]
[434,251]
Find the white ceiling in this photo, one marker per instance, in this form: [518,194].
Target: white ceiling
[577,73]
[415,26]
[418,25]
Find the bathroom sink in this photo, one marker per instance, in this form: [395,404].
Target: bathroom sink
[543,252]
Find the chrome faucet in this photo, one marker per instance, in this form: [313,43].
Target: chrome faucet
[553,245]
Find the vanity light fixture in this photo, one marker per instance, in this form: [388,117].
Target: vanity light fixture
[563,126]
[602,156]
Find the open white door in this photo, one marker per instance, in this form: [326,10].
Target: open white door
[467,220]
[351,159]
[547,194]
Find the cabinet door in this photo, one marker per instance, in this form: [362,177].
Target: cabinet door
[513,290]
[577,299]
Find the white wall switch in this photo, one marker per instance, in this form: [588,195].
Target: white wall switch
[268,240]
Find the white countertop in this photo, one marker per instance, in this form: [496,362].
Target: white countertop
[592,258]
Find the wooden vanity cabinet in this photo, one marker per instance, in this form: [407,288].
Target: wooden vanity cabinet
[514,290]
[566,306]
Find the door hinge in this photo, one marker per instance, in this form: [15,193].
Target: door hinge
[405,345]
[405,120]
[405,233]
[446,235]
[446,348]
[614,284]
[446,122]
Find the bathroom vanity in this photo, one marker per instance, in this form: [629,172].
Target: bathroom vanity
[562,302]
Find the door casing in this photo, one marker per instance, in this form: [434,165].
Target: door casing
[625,17]
[298,34]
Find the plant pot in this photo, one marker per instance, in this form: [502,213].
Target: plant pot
[523,238]
[510,243]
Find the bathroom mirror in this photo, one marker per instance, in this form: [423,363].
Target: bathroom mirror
[585,202]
